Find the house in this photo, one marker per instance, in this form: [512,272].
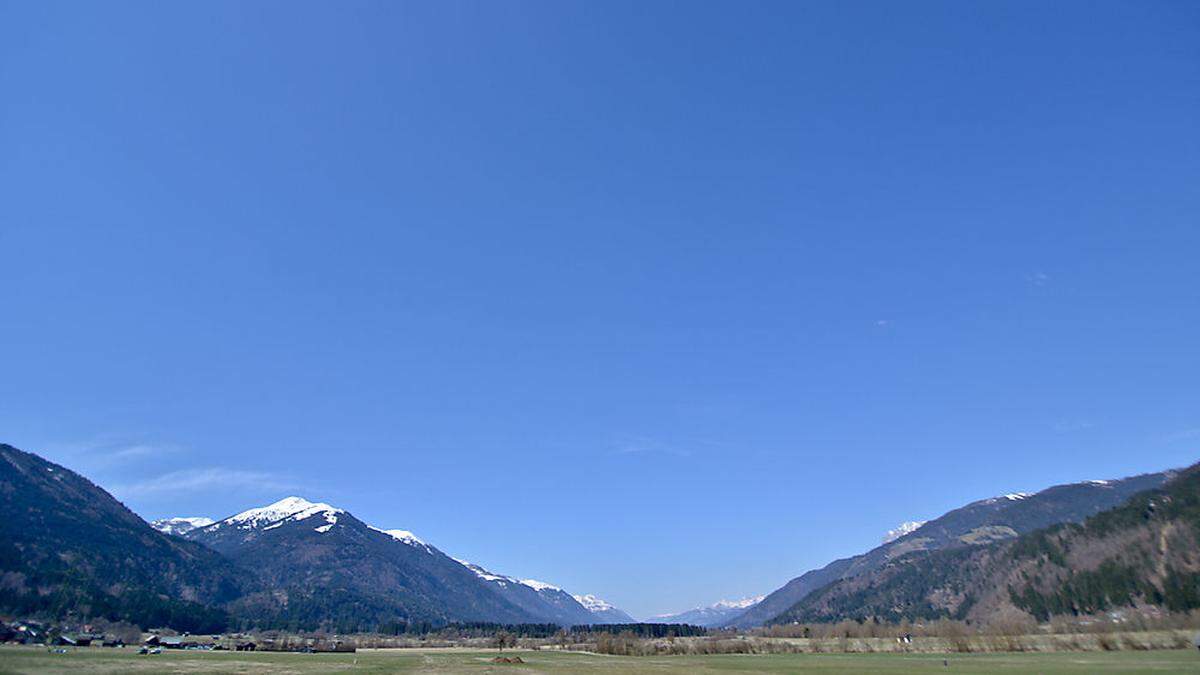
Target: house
[74,641]
[244,646]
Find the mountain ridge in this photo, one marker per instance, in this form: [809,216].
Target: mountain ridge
[976,523]
[1141,552]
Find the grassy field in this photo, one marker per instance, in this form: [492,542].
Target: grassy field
[98,660]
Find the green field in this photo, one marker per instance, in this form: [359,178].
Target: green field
[97,660]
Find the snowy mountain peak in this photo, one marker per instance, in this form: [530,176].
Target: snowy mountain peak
[738,604]
[716,614]
[592,603]
[903,529]
[180,526]
[289,508]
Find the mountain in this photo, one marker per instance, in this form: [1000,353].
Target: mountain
[67,546]
[548,602]
[717,614]
[179,526]
[1140,554]
[602,611]
[975,524]
[324,568]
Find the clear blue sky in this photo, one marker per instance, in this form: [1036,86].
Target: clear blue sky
[665,302]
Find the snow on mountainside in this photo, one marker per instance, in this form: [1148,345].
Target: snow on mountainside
[602,611]
[503,580]
[180,526]
[406,537]
[903,529]
[714,615]
[538,598]
[592,603]
[540,585]
[535,596]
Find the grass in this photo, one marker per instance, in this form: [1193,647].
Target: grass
[15,659]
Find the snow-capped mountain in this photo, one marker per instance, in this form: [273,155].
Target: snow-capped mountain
[273,515]
[180,526]
[714,615]
[268,535]
[602,610]
[320,560]
[901,530]
[539,597]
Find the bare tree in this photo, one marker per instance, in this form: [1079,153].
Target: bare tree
[504,639]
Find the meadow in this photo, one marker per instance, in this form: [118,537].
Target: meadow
[21,659]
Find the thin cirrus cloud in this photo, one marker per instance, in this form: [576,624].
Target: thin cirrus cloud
[648,446]
[204,480]
[106,452]
[1037,278]
[1184,435]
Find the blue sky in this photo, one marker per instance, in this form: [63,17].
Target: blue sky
[665,302]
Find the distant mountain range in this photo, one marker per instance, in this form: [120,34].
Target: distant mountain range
[716,614]
[68,547]
[976,524]
[323,560]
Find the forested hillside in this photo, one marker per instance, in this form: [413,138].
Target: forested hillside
[976,524]
[1144,552]
[68,547]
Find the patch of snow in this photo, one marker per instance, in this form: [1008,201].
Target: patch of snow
[324,528]
[1017,496]
[592,603]
[180,525]
[904,528]
[486,575]
[1098,482]
[406,537]
[539,586]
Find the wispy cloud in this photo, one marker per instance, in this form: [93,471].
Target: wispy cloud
[105,452]
[205,479]
[1183,435]
[641,445]
[1037,278]
[1067,426]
